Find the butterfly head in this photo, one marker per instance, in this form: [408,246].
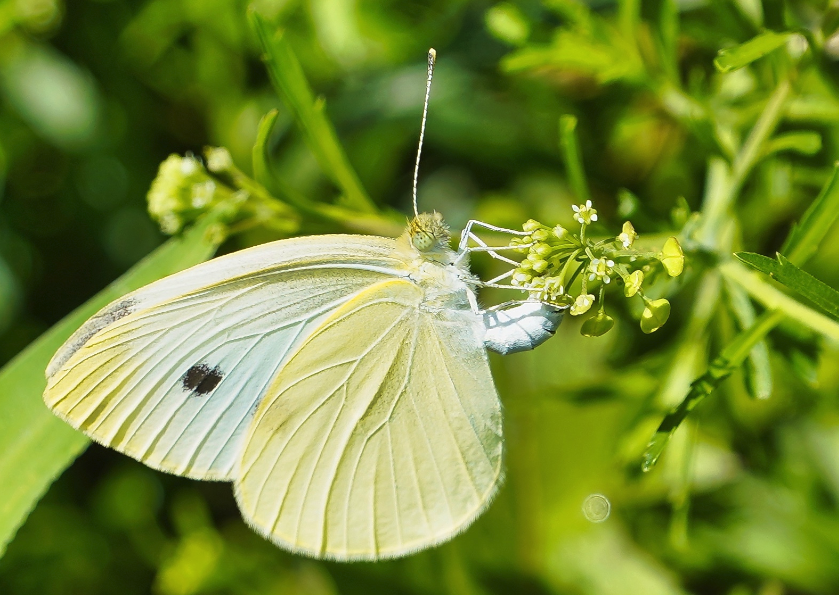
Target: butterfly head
[429,234]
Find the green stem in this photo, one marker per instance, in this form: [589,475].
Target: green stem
[720,368]
[723,190]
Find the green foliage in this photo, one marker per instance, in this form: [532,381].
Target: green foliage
[799,281]
[714,124]
[291,84]
[731,59]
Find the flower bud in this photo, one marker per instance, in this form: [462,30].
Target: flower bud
[542,249]
[521,277]
[582,304]
[540,235]
[218,159]
[181,189]
[540,266]
[627,236]
[633,283]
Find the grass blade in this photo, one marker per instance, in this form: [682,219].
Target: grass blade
[291,84]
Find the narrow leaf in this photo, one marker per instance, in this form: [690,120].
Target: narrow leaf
[805,142]
[291,84]
[571,152]
[807,234]
[801,282]
[36,445]
[744,54]
[261,170]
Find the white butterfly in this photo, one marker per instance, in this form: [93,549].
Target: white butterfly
[341,383]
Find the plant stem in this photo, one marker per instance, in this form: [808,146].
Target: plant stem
[724,189]
[720,368]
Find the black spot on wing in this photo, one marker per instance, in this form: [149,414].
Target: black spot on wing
[201,379]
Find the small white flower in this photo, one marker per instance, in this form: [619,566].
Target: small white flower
[202,194]
[189,165]
[601,268]
[627,236]
[582,304]
[554,288]
[219,159]
[584,213]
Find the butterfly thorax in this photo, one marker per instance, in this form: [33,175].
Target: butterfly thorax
[433,265]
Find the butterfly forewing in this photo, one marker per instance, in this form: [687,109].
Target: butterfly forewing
[175,381]
[381,434]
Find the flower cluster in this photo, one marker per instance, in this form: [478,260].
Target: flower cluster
[182,189]
[555,259]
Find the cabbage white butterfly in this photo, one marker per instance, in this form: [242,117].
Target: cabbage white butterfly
[341,383]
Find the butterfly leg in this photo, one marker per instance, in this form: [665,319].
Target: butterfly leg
[467,234]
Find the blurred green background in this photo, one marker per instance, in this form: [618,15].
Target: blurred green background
[96,93]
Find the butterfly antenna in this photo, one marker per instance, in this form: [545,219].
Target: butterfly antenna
[432,57]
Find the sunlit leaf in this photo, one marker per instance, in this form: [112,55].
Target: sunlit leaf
[803,283]
[744,54]
[807,234]
[805,142]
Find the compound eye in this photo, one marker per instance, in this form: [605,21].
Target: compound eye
[423,241]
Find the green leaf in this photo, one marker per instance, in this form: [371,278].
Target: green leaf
[261,170]
[805,142]
[801,282]
[806,235]
[36,445]
[571,152]
[291,84]
[577,51]
[731,59]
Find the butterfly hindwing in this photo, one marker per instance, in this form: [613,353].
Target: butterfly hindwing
[173,373]
[379,436]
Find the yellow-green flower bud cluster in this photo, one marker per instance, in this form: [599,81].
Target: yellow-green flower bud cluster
[544,248]
[556,260]
[181,191]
